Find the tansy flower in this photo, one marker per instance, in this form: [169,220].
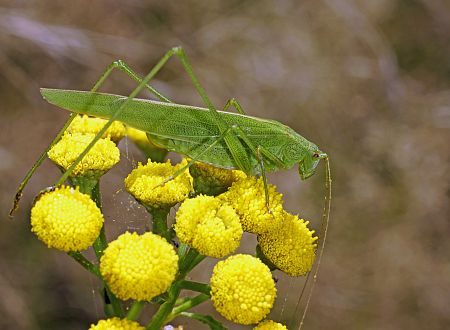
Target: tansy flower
[90,125]
[66,219]
[150,150]
[248,198]
[270,325]
[103,155]
[116,324]
[139,266]
[242,289]
[144,184]
[208,225]
[292,247]
[211,180]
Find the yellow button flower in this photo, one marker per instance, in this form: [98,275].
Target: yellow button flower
[208,225]
[150,150]
[143,183]
[270,325]
[211,180]
[138,136]
[103,155]
[139,266]
[292,247]
[248,198]
[90,125]
[116,324]
[66,219]
[242,289]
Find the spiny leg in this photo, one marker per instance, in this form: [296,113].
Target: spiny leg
[119,64]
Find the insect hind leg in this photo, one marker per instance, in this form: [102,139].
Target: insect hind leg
[124,67]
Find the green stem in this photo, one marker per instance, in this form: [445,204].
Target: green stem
[86,184]
[188,304]
[159,215]
[191,259]
[135,310]
[159,319]
[195,286]
[186,263]
[78,257]
[100,244]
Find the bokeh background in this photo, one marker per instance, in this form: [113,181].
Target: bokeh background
[368,81]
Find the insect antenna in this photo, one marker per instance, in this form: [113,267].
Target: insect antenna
[322,239]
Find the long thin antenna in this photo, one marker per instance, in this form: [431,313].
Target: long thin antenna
[323,235]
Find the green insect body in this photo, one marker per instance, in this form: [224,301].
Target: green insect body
[220,138]
[189,130]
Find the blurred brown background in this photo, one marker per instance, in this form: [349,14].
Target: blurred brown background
[368,81]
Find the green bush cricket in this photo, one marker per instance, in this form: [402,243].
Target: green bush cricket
[220,138]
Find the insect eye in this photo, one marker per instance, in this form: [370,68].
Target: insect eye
[316,155]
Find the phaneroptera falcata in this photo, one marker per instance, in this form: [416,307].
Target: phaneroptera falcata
[220,138]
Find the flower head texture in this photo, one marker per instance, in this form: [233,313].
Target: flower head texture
[270,325]
[116,324]
[208,225]
[242,289]
[90,125]
[139,266]
[103,155]
[292,247]
[248,198]
[211,180]
[66,219]
[143,183]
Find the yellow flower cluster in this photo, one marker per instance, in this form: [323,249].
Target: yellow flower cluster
[143,183]
[242,289]
[211,180]
[292,247]
[139,266]
[103,155]
[208,225]
[116,324]
[88,125]
[270,325]
[247,197]
[66,219]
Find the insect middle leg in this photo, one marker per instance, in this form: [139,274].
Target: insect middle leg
[259,151]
